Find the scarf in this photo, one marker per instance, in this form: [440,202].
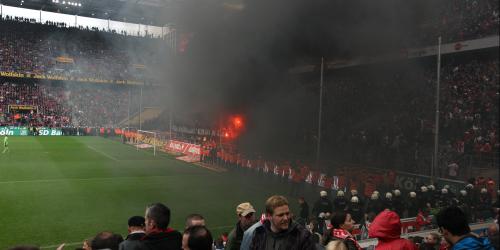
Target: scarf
[344,235]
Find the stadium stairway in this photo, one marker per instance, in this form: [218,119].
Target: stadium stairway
[148,113]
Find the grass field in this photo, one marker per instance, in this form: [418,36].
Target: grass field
[66,189]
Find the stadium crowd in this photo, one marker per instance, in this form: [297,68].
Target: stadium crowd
[279,228]
[396,130]
[52,49]
[458,21]
[365,191]
[60,105]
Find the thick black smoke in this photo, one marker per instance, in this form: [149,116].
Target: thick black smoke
[239,54]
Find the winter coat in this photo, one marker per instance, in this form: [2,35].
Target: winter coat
[356,212]
[375,206]
[386,227]
[295,238]
[165,240]
[412,205]
[340,203]
[234,238]
[471,242]
[323,205]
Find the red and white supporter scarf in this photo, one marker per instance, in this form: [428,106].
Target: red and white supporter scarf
[344,235]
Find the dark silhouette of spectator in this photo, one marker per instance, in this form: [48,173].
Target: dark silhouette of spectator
[322,205]
[158,234]
[136,225]
[246,218]
[106,240]
[453,225]
[194,220]
[197,238]
[304,211]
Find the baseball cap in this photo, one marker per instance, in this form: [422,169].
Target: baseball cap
[244,209]
[322,193]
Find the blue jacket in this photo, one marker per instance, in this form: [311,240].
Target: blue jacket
[472,242]
[248,236]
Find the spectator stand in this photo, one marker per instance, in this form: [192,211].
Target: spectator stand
[477,228]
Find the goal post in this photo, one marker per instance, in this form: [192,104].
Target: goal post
[146,139]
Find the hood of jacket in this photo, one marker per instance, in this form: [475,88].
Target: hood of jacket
[385,226]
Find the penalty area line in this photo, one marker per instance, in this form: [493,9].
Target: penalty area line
[102,153]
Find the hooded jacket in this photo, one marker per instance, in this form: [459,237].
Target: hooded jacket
[294,238]
[386,227]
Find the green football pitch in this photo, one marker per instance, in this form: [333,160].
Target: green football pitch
[67,189]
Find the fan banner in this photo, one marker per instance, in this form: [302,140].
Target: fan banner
[183,147]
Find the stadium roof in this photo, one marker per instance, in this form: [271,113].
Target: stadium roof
[138,11]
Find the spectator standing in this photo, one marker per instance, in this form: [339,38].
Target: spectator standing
[386,227]
[246,218]
[106,240]
[194,220]
[280,232]
[158,235]
[342,225]
[304,212]
[322,205]
[197,238]
[431,242]
[136,231]
[453,225]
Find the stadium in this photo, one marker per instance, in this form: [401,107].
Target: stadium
[238,124]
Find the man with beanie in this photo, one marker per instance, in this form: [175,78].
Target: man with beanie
[136,231]
[246,218]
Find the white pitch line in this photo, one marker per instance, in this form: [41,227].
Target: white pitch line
[84,179]
[102,153]
[65,244]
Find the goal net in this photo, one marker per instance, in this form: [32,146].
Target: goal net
[142,139]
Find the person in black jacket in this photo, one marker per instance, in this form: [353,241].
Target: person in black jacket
[340,203]
[304,212]
[158,235]
[412,205]
[399,205]
[279,231]
[106,240]
[375,205]
[197,238]
[322,205]
[246,218]
[136,231]
[355,210]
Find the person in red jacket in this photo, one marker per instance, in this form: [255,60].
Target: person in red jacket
[423,219]
[386,227]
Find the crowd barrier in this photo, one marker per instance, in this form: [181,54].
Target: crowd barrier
[477,228]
